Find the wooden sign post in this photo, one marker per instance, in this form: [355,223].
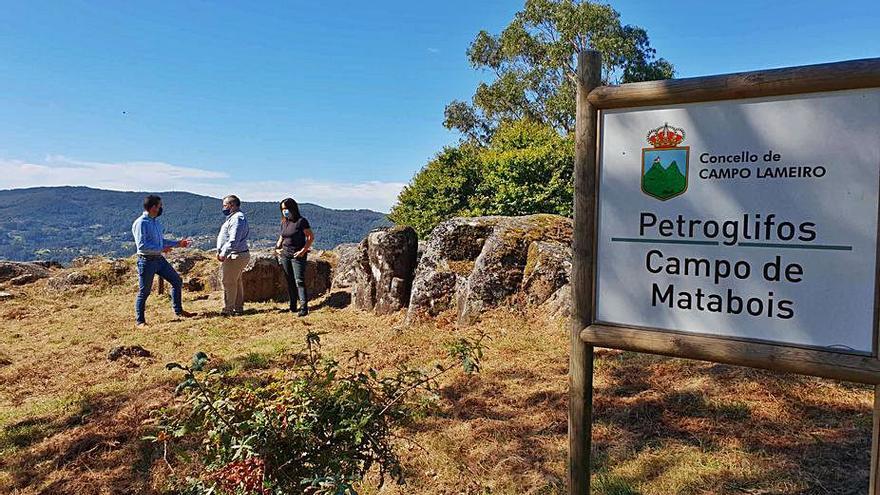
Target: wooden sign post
[731,219]
[580,401]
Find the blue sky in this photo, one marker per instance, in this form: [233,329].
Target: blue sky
[335,103]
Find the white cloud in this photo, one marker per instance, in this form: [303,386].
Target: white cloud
[373,195]
[59,170]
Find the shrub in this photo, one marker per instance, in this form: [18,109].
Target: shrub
[442,189]
[316,428]
[527,168]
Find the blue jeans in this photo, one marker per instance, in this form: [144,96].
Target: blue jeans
[147,268]
[295,273]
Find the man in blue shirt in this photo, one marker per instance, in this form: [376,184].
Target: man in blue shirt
[232,251]
[149,237]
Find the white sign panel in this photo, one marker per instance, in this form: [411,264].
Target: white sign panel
[752,219]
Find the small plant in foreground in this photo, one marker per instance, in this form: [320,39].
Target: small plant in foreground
[316,428]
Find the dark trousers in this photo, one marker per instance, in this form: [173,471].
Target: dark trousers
[295,273]
[147,268]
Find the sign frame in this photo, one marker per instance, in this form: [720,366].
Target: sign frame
[586,332]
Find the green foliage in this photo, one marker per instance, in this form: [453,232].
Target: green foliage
[518,156]
[534,58]
[444,188]
[527,168]
[316,429]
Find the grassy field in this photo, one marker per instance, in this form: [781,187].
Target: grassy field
[71,421]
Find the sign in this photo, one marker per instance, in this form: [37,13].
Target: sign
[751,219]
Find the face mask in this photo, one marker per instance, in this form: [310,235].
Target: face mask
[286,214]
[226,211]
[159,213]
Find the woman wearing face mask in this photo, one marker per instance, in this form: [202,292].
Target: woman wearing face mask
[292,247]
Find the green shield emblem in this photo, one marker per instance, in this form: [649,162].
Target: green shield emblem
[665,171]
[665,166]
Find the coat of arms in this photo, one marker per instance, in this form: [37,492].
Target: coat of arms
[665,166]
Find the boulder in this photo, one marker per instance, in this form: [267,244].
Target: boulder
[264,280]
[384,267]
[193,284]
[184,260]
[319,274]
[548,269]
[69,280]
[14,269]
[363,288]
[117,267]
[27,278]
[475,264]
[5,295]
[347,256]
[559,304]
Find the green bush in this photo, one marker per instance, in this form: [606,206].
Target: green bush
[318,428]
[443,189]
[527,168]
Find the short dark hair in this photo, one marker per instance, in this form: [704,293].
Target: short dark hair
[234,200]
[151,201]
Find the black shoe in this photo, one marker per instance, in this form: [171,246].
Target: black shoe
[303,312]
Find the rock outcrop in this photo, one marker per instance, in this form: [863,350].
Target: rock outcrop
[20,273]
[475,264]
[345,273]
[384,267]
[184,260]
[264,280]
[69,280]
[548,269]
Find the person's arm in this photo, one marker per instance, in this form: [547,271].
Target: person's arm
[167,244]
[310,238]
[141,236]
[279,243]
[241,233]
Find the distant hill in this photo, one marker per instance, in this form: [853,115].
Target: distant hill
[61,223]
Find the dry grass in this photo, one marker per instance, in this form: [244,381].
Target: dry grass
[70,421]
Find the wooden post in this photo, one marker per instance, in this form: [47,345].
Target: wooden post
[874,484]
[580,374]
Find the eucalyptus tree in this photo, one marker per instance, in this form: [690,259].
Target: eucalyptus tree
[533,61]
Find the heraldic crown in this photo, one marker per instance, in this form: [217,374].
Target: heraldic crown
[666,136]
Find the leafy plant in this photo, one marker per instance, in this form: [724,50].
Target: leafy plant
[527,168]
[317,428]
[534,58]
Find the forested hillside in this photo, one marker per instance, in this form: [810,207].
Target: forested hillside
[61,223]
